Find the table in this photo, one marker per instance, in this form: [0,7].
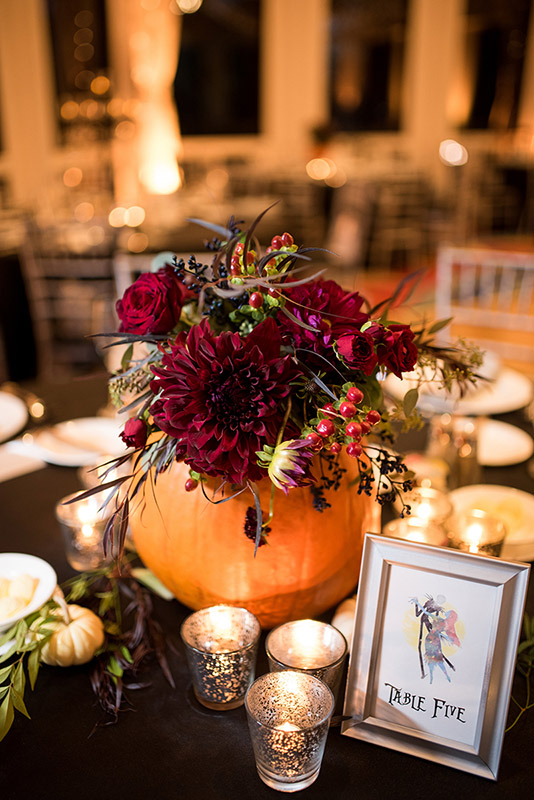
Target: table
[167,746]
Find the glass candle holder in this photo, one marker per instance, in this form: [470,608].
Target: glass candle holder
[415,529]
[428,504]
[83,524]
[309,646]
[477,532]
[288,716]
[221,644]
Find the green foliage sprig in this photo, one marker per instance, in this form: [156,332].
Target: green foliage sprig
[525,665]
[25,640]
[120,598]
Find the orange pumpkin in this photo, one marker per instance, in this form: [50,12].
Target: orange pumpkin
[199,551]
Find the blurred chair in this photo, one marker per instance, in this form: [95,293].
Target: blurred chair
[490,296]
[67,292]
[400,227]
[127,267]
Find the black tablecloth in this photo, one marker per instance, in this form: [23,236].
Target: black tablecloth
[166,745]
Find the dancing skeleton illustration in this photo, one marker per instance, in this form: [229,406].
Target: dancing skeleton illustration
[440,627]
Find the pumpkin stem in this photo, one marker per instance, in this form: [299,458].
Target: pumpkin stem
[59,598]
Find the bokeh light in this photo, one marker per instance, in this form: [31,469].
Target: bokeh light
[453,153]
[117,216]
[72,177]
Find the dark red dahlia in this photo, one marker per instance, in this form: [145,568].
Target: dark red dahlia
[221,397]
[325,306]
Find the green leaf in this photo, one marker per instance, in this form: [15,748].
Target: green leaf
[4,672]
[114,668]
[439,325]
[127,356]
[148,579]
[18,702]
[410,401]
[126,654]
[33,666]
[19,679]
[6,715]
[9,634]
[7,655]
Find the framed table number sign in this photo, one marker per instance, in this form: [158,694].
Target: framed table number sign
[433,654]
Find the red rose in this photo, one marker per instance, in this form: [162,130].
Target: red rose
[134,433]
[357,351]
[396,348]
[153,303]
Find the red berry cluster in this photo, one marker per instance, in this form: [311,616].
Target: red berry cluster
[347,422]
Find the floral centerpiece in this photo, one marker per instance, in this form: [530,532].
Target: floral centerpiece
[251,371]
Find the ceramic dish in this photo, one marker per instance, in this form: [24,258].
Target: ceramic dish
[14,564]
[501,444]
[13,415]
[77,442]
[509,391]
[514,507]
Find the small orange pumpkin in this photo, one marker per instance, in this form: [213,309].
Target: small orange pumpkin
[199,551]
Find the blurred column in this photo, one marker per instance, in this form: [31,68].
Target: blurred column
[432,52]
[28,102]
[296,37]
[526,107]
[146,35]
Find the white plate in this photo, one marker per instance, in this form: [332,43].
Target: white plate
[13,564]
[510,390]
[13,415]
[78,442]
[500,444]
[514,507]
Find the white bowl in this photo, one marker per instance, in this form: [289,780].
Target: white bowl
[13,564]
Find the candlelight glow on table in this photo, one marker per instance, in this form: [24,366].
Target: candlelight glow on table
[415,529]
[428,504]
[308,646]
[221,645]
[289,715]
[83,524]
[478,532]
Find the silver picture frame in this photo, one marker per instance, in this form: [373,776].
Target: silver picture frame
[405,690]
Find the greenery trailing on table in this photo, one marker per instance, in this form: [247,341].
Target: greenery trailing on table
[120,597]
[525,665]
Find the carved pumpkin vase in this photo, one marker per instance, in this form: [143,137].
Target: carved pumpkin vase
[200,552]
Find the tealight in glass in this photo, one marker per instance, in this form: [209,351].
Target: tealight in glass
[308,646]
[83,523]
[288,716]
[427,504]
[221,644]
[415,529]
[477,532]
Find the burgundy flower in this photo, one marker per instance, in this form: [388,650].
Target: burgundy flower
[153,303]
[357,351]
[134,433]
[221,397]
[325,306]
[396,348]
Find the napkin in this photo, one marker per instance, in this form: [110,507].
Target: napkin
[16,461]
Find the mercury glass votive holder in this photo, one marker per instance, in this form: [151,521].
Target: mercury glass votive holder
[83,523]
[476,531]
[221,644]
[307,645]
[288,716]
